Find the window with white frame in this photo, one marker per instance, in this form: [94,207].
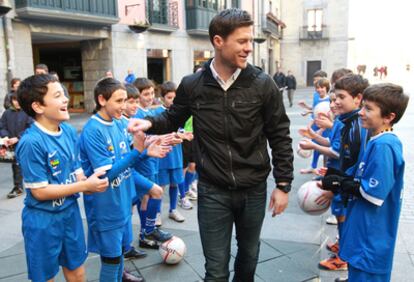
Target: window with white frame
[315,20]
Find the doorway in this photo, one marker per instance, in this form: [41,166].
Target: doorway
[311,68]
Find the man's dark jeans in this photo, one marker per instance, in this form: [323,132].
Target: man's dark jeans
[218,209]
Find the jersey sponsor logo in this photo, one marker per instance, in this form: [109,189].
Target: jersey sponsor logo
[54,163]
[373,182]
[58,202]
[123,147]
[50,155]
[121,177]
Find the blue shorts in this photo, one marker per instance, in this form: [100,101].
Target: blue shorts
[110,243]
[337,206]
[173,176]
[142,186]
[53,239]
[356,275]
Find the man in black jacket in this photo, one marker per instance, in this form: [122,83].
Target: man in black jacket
[236,110]
[291,87]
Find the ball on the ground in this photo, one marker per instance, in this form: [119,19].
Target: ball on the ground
[173,250]
[304,153]
[307,195]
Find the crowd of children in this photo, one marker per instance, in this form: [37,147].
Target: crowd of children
[362,173]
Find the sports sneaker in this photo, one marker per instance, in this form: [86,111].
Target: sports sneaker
[185,204]
[129,277]
[193,185]
[332,220]
[15,192]
[159,235]
[333,263]
[175,215]
[158,221]
[134,254]
[333,247]
[341,279]
[149,244]
[191,195]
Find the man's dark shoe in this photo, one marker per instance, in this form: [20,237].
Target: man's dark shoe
[159,235]
[134,254]
[15,192]
[128,277]
[149,244]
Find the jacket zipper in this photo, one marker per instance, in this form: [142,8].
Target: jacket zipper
[226,128]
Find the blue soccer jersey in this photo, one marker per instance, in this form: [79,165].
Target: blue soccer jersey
[149,167]
[103,143]
[371,229]
[335,141]
[47,157]
[173,159]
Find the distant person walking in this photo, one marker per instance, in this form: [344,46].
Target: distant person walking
[290,86]
[280,79]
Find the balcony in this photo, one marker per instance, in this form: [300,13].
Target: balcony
[100,13]
[273,26]
[162,15]
[198,19]
[313,34]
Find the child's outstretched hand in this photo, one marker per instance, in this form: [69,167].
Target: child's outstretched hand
[170,139]
[321,171]
[324,198]
[323,120]
[94,184]
[302,103]
[11,141]
[306,144]
[158,150]
[139,140]
[307,132]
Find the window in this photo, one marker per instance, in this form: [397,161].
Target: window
[315,20]
[235,3]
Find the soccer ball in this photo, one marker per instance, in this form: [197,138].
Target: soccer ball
[172,251]
[307,195]
[304,153]
[322,107]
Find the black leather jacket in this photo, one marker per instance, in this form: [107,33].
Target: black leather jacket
[231,128]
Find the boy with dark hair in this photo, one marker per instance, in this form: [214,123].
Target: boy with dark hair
[41,69]
[104,147]
[237,110]
[13,123]
[348,94]
[372,215]
[53,177]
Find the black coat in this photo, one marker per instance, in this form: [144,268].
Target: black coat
[13,123]
[280,79]
[232,128]
[291,82]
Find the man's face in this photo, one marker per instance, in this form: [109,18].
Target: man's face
[235,49]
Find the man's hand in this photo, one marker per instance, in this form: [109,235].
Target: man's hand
[186,135]
[332,182]
[94,184]
[278,202]
[137,124]
[11,141]
[157,150]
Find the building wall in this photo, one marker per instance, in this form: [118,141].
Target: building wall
[333,53]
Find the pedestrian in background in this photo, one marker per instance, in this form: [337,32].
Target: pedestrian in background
[291,87]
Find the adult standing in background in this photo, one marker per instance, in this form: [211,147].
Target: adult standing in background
[280,79]
[237,109]
[15,82]
[290,86]
[130,78]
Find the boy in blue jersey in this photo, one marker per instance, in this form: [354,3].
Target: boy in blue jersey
[171,167]
[372,217]
[149,208]
[53,177]
[104,146]
[348,93]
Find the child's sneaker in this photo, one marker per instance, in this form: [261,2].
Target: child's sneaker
[149,244]
[332,220]
[333,263]
[193,185]
[333,247]
[158,221]
[134,254]
[175,215]
[15,192]
[159,235]
[191,195]
[184,203]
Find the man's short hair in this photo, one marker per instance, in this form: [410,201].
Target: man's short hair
[320,73]
[354,84]
[33,89]
[143,83]
[390,98]
[166,87]
[227,21]
[132,91]
[42,67]
[106,87]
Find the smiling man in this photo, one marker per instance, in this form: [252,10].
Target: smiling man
[236,110]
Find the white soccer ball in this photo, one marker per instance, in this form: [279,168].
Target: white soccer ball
[173,250]
[304,153]
[307,195]
[322,107]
